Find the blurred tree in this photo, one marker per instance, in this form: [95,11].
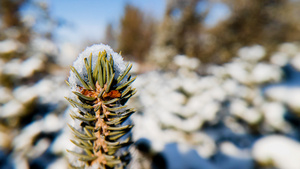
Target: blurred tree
[265,22]
[10,18]
[22,29]
[182,26]
[136,33]
[110,36]
[10,12]
[180,31]
[26,57]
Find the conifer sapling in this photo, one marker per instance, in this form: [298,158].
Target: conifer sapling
[100,86]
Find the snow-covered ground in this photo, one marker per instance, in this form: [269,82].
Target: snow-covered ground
[222,119]
[241,114]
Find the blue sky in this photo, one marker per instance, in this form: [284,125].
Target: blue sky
[88,18]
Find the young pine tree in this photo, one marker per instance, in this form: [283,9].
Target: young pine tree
[100,87]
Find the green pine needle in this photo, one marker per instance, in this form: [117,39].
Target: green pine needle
[104,115]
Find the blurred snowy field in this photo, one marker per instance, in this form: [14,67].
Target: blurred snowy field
[242,114]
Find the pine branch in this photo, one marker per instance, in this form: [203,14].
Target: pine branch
[100,94]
